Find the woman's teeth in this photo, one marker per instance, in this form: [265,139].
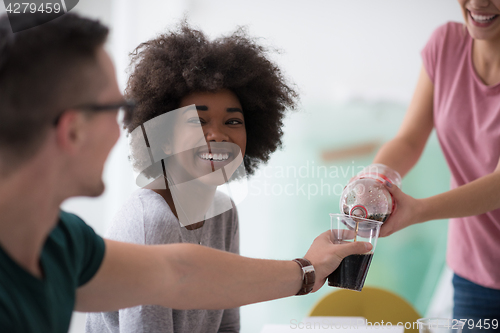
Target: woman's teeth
[482,18]
[215,157]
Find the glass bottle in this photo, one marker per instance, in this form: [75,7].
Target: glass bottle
[366,195]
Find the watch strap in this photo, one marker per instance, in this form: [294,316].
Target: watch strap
[308,276]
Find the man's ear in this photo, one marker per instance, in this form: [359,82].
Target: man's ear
[71,131]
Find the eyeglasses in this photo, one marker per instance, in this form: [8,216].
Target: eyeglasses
[126,106]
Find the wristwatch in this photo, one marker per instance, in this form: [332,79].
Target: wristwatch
[308,276]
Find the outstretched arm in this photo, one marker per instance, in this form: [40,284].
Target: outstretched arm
[402,152]
[186,276]
[477,197]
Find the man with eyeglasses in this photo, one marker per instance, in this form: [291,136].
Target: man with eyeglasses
[58,105]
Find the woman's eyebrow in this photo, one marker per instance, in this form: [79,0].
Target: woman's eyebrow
[234,110]
[205,108]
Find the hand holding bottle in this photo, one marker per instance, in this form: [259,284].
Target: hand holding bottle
[366,195]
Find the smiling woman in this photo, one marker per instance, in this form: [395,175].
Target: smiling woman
[206,111]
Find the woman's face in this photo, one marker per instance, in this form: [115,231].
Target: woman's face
[223,137]
[482,18]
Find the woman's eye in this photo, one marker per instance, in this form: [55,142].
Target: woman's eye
[234,122]
[195,120]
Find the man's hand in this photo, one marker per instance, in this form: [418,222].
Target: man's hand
[326,256]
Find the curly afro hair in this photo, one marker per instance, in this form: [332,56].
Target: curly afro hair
[178,63]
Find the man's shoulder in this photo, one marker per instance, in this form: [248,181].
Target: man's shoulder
[69,225]
[67,217]
[73,235]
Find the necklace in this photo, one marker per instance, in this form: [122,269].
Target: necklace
[200,233]
[192,227]
[195,229]
[197,232]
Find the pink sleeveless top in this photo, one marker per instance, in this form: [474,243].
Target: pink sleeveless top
[467,122]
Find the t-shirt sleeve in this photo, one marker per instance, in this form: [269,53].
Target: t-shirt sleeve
[93,255]
[85,246]
[431,51]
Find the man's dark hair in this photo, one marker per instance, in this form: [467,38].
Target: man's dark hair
[176,64]
[44,70]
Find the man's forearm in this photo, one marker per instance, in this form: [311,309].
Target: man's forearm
[188,276]
[184,276]
[213,279]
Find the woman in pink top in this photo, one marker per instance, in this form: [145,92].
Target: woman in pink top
[458,94]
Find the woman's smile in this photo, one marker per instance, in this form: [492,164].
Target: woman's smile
[482,19]
[214,157]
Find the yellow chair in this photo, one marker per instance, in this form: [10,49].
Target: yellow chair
[374,304]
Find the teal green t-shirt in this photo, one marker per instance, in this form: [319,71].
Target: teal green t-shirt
[70,257]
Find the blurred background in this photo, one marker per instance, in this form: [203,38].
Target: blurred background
[355,64]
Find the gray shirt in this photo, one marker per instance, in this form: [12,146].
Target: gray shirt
[147,219]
